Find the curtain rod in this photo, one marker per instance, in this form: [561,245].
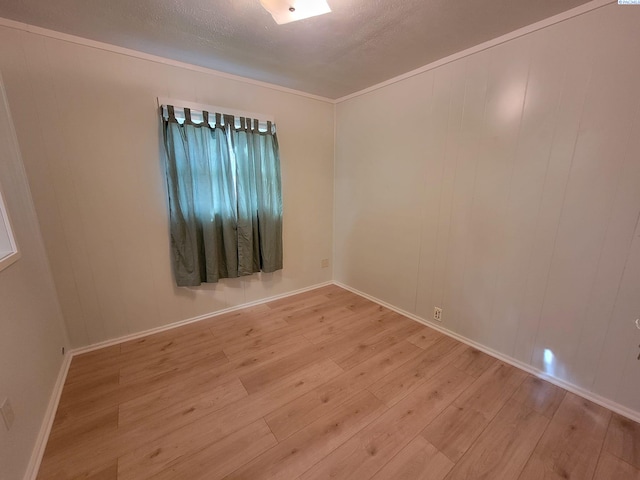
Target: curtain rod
[214,109]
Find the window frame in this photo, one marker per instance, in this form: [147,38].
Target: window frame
[8,134]
[7,257]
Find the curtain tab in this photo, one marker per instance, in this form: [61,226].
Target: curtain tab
[205,118]
[269,129]
[229,122]
[187,116]
[256,125]
[171,114]
[218,120]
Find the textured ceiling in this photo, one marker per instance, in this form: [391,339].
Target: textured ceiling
[359,44]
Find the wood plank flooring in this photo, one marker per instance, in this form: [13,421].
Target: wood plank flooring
[324,384]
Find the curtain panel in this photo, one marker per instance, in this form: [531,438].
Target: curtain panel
[225,197]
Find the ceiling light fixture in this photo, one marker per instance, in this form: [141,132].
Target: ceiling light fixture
[286,11]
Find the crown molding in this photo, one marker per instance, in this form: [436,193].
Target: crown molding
[534,27]
[561,17]
[44,32]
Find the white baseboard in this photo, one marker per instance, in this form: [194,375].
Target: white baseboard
[170,326]
[47,422]
[586,394]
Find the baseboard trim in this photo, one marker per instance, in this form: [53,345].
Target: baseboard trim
[570,387]
[47,422]
[180,323]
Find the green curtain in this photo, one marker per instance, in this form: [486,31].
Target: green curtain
[225,197]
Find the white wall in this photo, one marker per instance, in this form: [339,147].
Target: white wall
[31,327]
[505,188]
[88,127]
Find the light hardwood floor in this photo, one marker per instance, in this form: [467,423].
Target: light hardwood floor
[324,384]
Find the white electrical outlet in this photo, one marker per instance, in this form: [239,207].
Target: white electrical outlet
[7,413]
[437,314]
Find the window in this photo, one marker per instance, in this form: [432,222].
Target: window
[8,249]
[224,189]
[10,152]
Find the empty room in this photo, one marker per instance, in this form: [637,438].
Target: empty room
[305,239]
